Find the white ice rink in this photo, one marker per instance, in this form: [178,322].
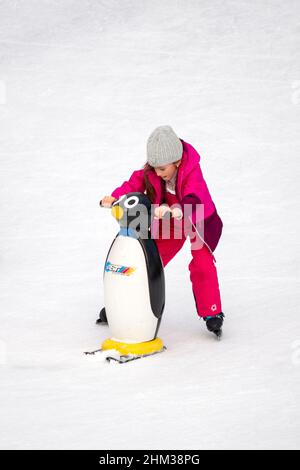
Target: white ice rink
[82,85]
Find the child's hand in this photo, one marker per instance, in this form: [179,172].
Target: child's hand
[160,211]
[177,213]
[107,201]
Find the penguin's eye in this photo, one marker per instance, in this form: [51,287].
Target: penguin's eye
[131,202]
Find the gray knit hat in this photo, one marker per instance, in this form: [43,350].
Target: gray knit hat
[163,147]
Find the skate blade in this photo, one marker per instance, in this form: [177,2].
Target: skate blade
[91,353]
[123,359]
[218,334]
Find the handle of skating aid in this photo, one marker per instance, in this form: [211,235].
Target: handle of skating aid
[168,215]
[104,207]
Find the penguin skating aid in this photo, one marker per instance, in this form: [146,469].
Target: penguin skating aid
[134,283]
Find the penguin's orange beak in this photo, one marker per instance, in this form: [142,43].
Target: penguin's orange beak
[117,212]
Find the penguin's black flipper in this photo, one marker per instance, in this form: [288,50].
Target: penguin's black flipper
[156,277]
[102,320]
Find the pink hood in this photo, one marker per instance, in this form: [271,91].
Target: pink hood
[189,181]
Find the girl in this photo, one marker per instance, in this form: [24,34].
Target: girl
[172,178]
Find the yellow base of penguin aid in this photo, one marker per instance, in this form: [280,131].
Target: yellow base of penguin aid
[141,349]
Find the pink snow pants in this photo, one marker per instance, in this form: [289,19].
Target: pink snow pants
[203,273]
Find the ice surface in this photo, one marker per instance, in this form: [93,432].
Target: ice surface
[82,85]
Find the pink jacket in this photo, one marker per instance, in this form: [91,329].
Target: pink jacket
[191,188]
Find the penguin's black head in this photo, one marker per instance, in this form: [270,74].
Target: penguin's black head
[133,210]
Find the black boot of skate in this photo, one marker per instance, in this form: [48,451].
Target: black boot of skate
[102,320]
[214,323]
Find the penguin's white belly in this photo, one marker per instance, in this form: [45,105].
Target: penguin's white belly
[126,293]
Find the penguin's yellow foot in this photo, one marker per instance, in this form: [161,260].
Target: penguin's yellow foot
[139,349]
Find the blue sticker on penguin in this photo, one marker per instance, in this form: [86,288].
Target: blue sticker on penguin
[118,269]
